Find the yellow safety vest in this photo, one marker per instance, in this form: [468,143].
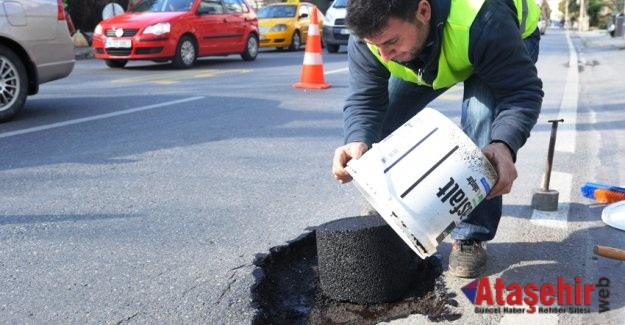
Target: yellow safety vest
[453,64]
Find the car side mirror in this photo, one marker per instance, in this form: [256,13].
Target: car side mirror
[304,15]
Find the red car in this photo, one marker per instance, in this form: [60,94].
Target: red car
[179,31]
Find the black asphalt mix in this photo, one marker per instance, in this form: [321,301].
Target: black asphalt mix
[349,271]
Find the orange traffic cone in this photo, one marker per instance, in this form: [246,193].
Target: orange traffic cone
[312,70]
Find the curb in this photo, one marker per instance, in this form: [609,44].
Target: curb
[83,53]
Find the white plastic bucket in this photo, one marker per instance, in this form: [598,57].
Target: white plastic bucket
[423,179]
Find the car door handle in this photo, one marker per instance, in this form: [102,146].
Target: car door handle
[225,20]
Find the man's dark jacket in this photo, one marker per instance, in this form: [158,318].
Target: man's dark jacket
[497,53]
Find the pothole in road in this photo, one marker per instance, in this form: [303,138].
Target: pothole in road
[288,291]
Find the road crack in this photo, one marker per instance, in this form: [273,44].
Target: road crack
[127,319]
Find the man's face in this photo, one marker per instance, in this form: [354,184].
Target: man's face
[402,40]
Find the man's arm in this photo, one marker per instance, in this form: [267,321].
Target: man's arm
[364,109]
[501,60]
[367,98]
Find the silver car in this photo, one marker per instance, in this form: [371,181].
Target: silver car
[35,47]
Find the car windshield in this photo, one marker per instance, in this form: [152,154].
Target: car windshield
[276,12]
[162,6]
[339,4]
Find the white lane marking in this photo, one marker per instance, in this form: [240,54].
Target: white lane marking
[337,70]
[562,183]
[96,117]
[568,108]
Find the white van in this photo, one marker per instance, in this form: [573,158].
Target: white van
[335,33]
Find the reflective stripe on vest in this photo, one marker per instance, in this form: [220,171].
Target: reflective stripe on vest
[453,63]
[528,15]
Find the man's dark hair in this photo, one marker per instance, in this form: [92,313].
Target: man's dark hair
[366,18]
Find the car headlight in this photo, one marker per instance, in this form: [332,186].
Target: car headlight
[98,30]
[278,28]
[158,29]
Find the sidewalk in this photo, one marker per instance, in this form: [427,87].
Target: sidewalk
[600,39]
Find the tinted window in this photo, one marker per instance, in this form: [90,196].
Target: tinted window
[211,6]
[162,5]
[235,6]
[181,5]
[276,12]
[339,4]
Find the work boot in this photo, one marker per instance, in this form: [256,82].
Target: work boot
[467,258]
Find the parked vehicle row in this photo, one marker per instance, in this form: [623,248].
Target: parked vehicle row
[285,25]
[35,47]
[335,33]
[179,31]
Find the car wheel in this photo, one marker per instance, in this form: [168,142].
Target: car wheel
[332,48]
[186,53]
[296,42]
[251,48]
[116,64]
[13,84]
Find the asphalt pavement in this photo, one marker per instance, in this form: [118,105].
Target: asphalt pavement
[588,44]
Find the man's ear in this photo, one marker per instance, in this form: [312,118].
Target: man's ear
[424,11]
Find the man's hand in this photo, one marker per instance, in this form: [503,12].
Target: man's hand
[344,154]
[500,156]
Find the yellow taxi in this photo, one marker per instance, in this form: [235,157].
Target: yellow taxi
[285,25]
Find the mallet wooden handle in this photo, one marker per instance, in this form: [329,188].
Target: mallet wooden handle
[610,252]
